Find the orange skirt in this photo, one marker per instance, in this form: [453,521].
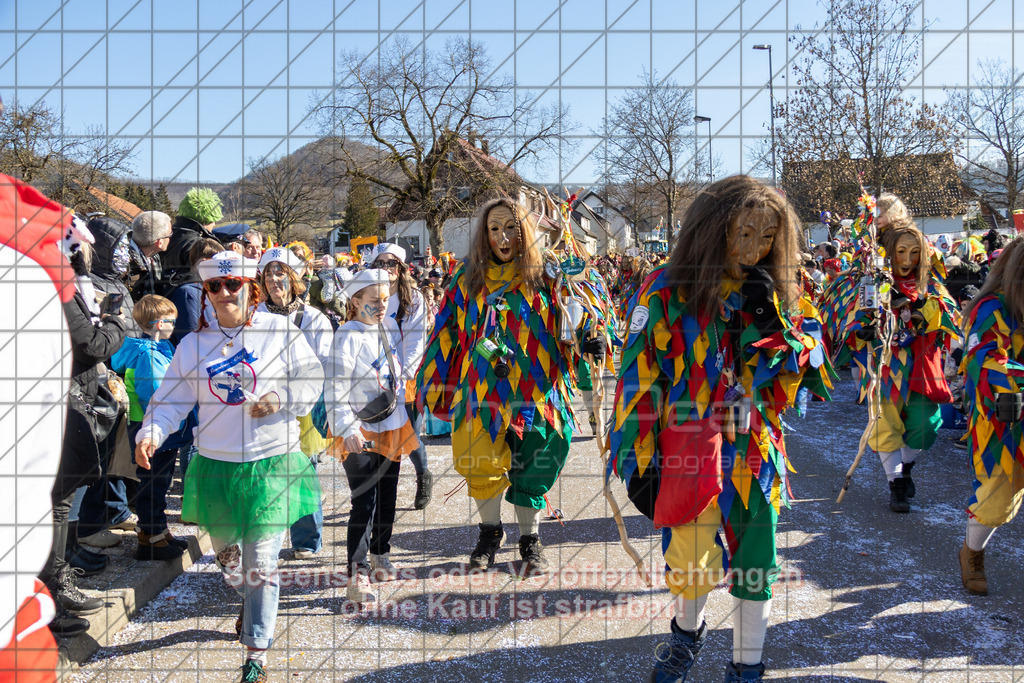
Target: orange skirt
[394,444]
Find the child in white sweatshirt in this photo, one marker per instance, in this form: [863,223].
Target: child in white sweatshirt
[365,398]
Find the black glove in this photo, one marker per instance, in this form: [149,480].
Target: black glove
[1009,407]
[868,330]
[594,345]
[758,290]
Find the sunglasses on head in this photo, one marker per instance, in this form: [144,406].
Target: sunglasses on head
[233,284]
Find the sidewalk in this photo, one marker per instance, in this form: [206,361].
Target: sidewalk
[128,585]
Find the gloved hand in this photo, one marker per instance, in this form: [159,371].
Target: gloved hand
[868,330]
[758,290]
[595,345]
[1009,407]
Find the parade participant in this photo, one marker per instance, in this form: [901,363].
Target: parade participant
[281,286]
[366,397]
[198,212]
[720,342]
[407,308]
[925,322]
[250,482]
[993,368]
[495,368]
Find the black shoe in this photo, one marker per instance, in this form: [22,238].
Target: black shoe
[424,490]
[675,656]
[180,542]
[737,673]
[158,553]
[64,588]
[534,562]
[487,545]
[86,560]
[67,625]
[909,485]
[898,501]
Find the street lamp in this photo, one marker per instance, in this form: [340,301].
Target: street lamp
[707,119]
[771,95]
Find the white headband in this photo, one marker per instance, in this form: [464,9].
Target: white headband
[281,255]
[227,264]
[388,248]
[366,278]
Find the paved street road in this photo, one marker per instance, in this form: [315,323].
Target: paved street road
[868,595]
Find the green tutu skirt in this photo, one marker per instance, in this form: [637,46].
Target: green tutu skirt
[249,501]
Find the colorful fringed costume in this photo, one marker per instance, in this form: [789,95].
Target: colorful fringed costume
[507,433]
[993,363]
[913,382]
[595,290]
[668,444]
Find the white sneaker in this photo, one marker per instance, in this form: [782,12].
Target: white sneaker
[356,592]
[101,539]
[381,568]
[304,554]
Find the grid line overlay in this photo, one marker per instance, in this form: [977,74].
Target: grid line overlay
[279,90]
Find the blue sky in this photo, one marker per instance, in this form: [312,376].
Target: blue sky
[201,87]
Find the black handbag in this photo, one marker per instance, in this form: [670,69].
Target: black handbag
[101,412]
[383,404]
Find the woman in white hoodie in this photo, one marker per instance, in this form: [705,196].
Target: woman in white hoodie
[365,398]
[252,374]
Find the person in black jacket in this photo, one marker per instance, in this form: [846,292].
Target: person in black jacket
[198,212]
[105,503]
[94,338]
[150,235]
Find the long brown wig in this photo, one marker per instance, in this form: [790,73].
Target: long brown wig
[1005,278]
[890,238]
[530,257]
[698,260]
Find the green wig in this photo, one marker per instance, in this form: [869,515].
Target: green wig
[202,205]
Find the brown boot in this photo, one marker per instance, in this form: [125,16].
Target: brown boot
[157,548]
[972,570]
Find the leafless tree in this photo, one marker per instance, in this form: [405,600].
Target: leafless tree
[650,145]
[30,140]
[850,110]
[415,108]
[283,194]
[992,114]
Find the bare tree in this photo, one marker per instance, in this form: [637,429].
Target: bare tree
[850,110]
[992,113]
[415,108]
[650,144]
[30,140]
[284,194]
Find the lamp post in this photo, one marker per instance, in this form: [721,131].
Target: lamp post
[697,120]
[771,95]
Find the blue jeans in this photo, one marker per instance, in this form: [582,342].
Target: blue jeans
[257,582]
[307,533]
[104,505]
[418,456]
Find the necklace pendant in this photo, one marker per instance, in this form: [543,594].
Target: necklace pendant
[224,351]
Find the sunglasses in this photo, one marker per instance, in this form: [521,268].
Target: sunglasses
[233,284]
[162,320]
[388,263]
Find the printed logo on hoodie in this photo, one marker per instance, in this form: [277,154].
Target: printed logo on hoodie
[233,380]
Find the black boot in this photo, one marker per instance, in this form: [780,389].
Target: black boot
[487,544]
[737,673]
[78,556]
[909,485]
[534,562]
[675,656]
[64,588]
[424,490]
[67,625]
[898,501]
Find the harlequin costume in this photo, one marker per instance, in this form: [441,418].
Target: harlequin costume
[993,365]
[913,384]
[594,288]
[510,434]
[681,468]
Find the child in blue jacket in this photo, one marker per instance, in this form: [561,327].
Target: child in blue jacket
[143,362]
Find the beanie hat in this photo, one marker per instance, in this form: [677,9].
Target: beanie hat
[202,205]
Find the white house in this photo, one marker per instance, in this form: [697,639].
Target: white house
[616,232]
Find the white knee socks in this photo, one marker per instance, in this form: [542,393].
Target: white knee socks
[977,534]
[908,454]
[529,520]
[892,463]
[490,510]
[750,623]
[690,613]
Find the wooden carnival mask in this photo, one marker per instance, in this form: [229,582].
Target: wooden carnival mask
[906,255]
[750,238]
[503,233]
